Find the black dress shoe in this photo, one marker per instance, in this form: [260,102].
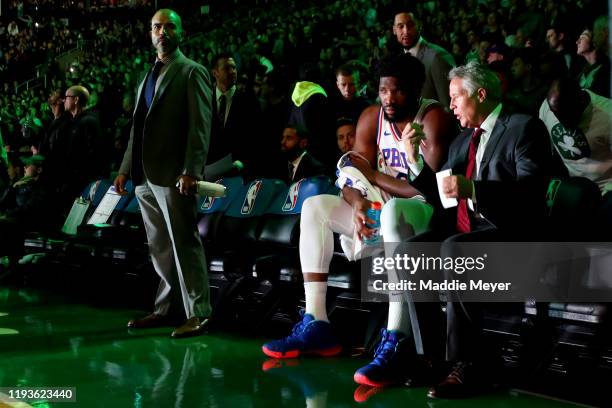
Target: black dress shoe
[464,381]
[150,321]
[194,326]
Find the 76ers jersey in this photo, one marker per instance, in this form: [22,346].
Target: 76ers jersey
[392,159]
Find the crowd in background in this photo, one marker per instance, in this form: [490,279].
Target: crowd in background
[274,44]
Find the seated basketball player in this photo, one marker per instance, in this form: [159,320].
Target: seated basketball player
[380,133]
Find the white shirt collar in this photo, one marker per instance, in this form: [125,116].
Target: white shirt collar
[489,123]
[229,94]
[297,161]
[416,47]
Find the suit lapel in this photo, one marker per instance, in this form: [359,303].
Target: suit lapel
[165,79]
[496,136]
[139,93]
[462,156]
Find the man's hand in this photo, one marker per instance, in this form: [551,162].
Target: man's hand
[457,187]
[186,184]
[412,136]
[119,184]
[360,208]
[364,167]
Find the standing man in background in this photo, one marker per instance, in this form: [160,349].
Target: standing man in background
[437,61]
[165,157]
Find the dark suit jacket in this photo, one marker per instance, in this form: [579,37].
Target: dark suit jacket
[514,173]
[308,167]
[241,132]
[315,114]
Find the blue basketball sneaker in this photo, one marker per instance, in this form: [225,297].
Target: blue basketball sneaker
[391,364]
[308,337]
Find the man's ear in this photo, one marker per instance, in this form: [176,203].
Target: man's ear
[303,143]
[482,94]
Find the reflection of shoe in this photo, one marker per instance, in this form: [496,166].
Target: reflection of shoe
[304,373]
[391,364]
[365,392]
[464,381]
[309,336]
[149,322]
[194,326]
[274,363]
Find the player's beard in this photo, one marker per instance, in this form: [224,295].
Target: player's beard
[403,112]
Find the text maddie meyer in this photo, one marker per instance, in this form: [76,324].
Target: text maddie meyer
[452,285]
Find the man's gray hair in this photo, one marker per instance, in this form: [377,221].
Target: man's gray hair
[475,76]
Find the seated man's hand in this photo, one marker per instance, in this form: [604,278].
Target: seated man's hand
[457,187]
[186,184]
[360,208]
[412,137]
[119,184]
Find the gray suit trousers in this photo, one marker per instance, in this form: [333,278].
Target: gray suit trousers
[175,248]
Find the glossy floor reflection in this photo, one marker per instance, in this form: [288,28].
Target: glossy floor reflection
[62,344]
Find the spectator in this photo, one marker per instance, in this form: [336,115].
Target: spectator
[50,146]
[579,123]
[86,149]
[236,118]
[25,204]
[595,75]
[437,61]
[527,90]
[311,111]
[299,162]
[557,37]
[345,134]
[348,104]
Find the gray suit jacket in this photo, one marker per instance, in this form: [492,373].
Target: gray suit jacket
[438,62]
[176,127]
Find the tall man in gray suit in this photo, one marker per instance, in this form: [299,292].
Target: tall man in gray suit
[437,61]
[165,157]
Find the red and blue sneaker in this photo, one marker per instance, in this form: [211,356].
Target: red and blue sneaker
[308,337]
[391,364]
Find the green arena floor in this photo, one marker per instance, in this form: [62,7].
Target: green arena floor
[48,341]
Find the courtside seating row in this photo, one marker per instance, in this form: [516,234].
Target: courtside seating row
[260,217]
[253,232]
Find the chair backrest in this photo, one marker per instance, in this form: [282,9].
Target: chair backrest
[282,220]
[572,204]
[211,205]
[96,190]
[255,198]
[290,200]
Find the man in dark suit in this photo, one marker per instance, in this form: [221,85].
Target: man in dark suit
[165,157]
[236,119]
[438,62]
[501,164]
[300,163]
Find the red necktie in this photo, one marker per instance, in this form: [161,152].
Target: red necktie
[463,218]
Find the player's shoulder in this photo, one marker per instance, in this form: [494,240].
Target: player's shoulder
[368,121]
[370,112]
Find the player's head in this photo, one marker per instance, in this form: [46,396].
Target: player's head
[401,79]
